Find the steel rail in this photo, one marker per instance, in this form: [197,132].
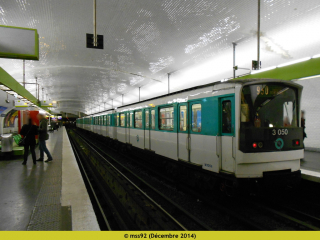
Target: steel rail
[133,184]
[91,187]
[208,201]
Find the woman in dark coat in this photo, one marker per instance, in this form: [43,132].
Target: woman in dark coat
[29,131]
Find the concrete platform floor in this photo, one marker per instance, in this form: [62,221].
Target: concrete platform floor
[310,166]
[311,161]
[38,197]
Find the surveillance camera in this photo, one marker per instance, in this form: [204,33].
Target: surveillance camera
[7,101]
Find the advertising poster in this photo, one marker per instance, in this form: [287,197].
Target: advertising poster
[9,119]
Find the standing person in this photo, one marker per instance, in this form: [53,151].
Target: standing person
[303,125]
[29,132]
[53,125]
[43,136]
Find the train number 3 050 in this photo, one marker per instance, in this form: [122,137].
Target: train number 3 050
[280,132]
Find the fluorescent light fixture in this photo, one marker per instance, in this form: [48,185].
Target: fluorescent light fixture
[11,92]
[4,88]
[42,111]
[316,56]
[263,70]
[295,61]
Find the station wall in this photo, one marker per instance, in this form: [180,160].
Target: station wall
[310,103]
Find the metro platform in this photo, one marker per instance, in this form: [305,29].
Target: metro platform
[310,166]
[46,196]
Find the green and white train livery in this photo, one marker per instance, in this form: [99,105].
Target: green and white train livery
[239,129]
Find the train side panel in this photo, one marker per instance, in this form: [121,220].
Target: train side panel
[165,143]
[121,134]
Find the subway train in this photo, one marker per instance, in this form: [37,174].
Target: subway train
[228,134]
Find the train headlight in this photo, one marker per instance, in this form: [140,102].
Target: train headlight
[254,145]
[260,144]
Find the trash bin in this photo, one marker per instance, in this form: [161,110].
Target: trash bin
[6,142]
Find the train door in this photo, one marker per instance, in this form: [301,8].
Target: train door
[105,127]
[128,127]
[147,136]
[227,122]
[196,145]
[183,133]
[115,124]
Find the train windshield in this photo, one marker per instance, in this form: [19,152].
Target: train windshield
[269,105]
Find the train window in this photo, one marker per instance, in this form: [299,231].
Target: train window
[288,115]
[109,120]
[166,118]
[147,119]
[153,119]
[122,120]
[196,118]
[183,118]
[117,120]
[269,106]
[138,119]
[226,117]
[131,123]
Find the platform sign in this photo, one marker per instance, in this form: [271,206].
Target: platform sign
[19,43]
[89,39]
[20,103]
[47,103]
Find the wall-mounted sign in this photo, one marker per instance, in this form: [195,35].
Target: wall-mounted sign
[19,43]
[47,103]
[20,103]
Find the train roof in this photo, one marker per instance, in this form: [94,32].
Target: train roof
[231,81]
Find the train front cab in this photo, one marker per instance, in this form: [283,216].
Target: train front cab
[270,142]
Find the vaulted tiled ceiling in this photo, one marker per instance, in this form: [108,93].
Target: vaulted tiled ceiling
[143,41]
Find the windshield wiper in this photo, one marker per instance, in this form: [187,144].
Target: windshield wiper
[270,99]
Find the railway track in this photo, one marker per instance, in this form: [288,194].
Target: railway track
[250,224]
[144,211]
[290,215]
[106,211]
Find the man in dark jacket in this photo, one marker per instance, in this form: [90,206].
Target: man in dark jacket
[29,132]
[43,136]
